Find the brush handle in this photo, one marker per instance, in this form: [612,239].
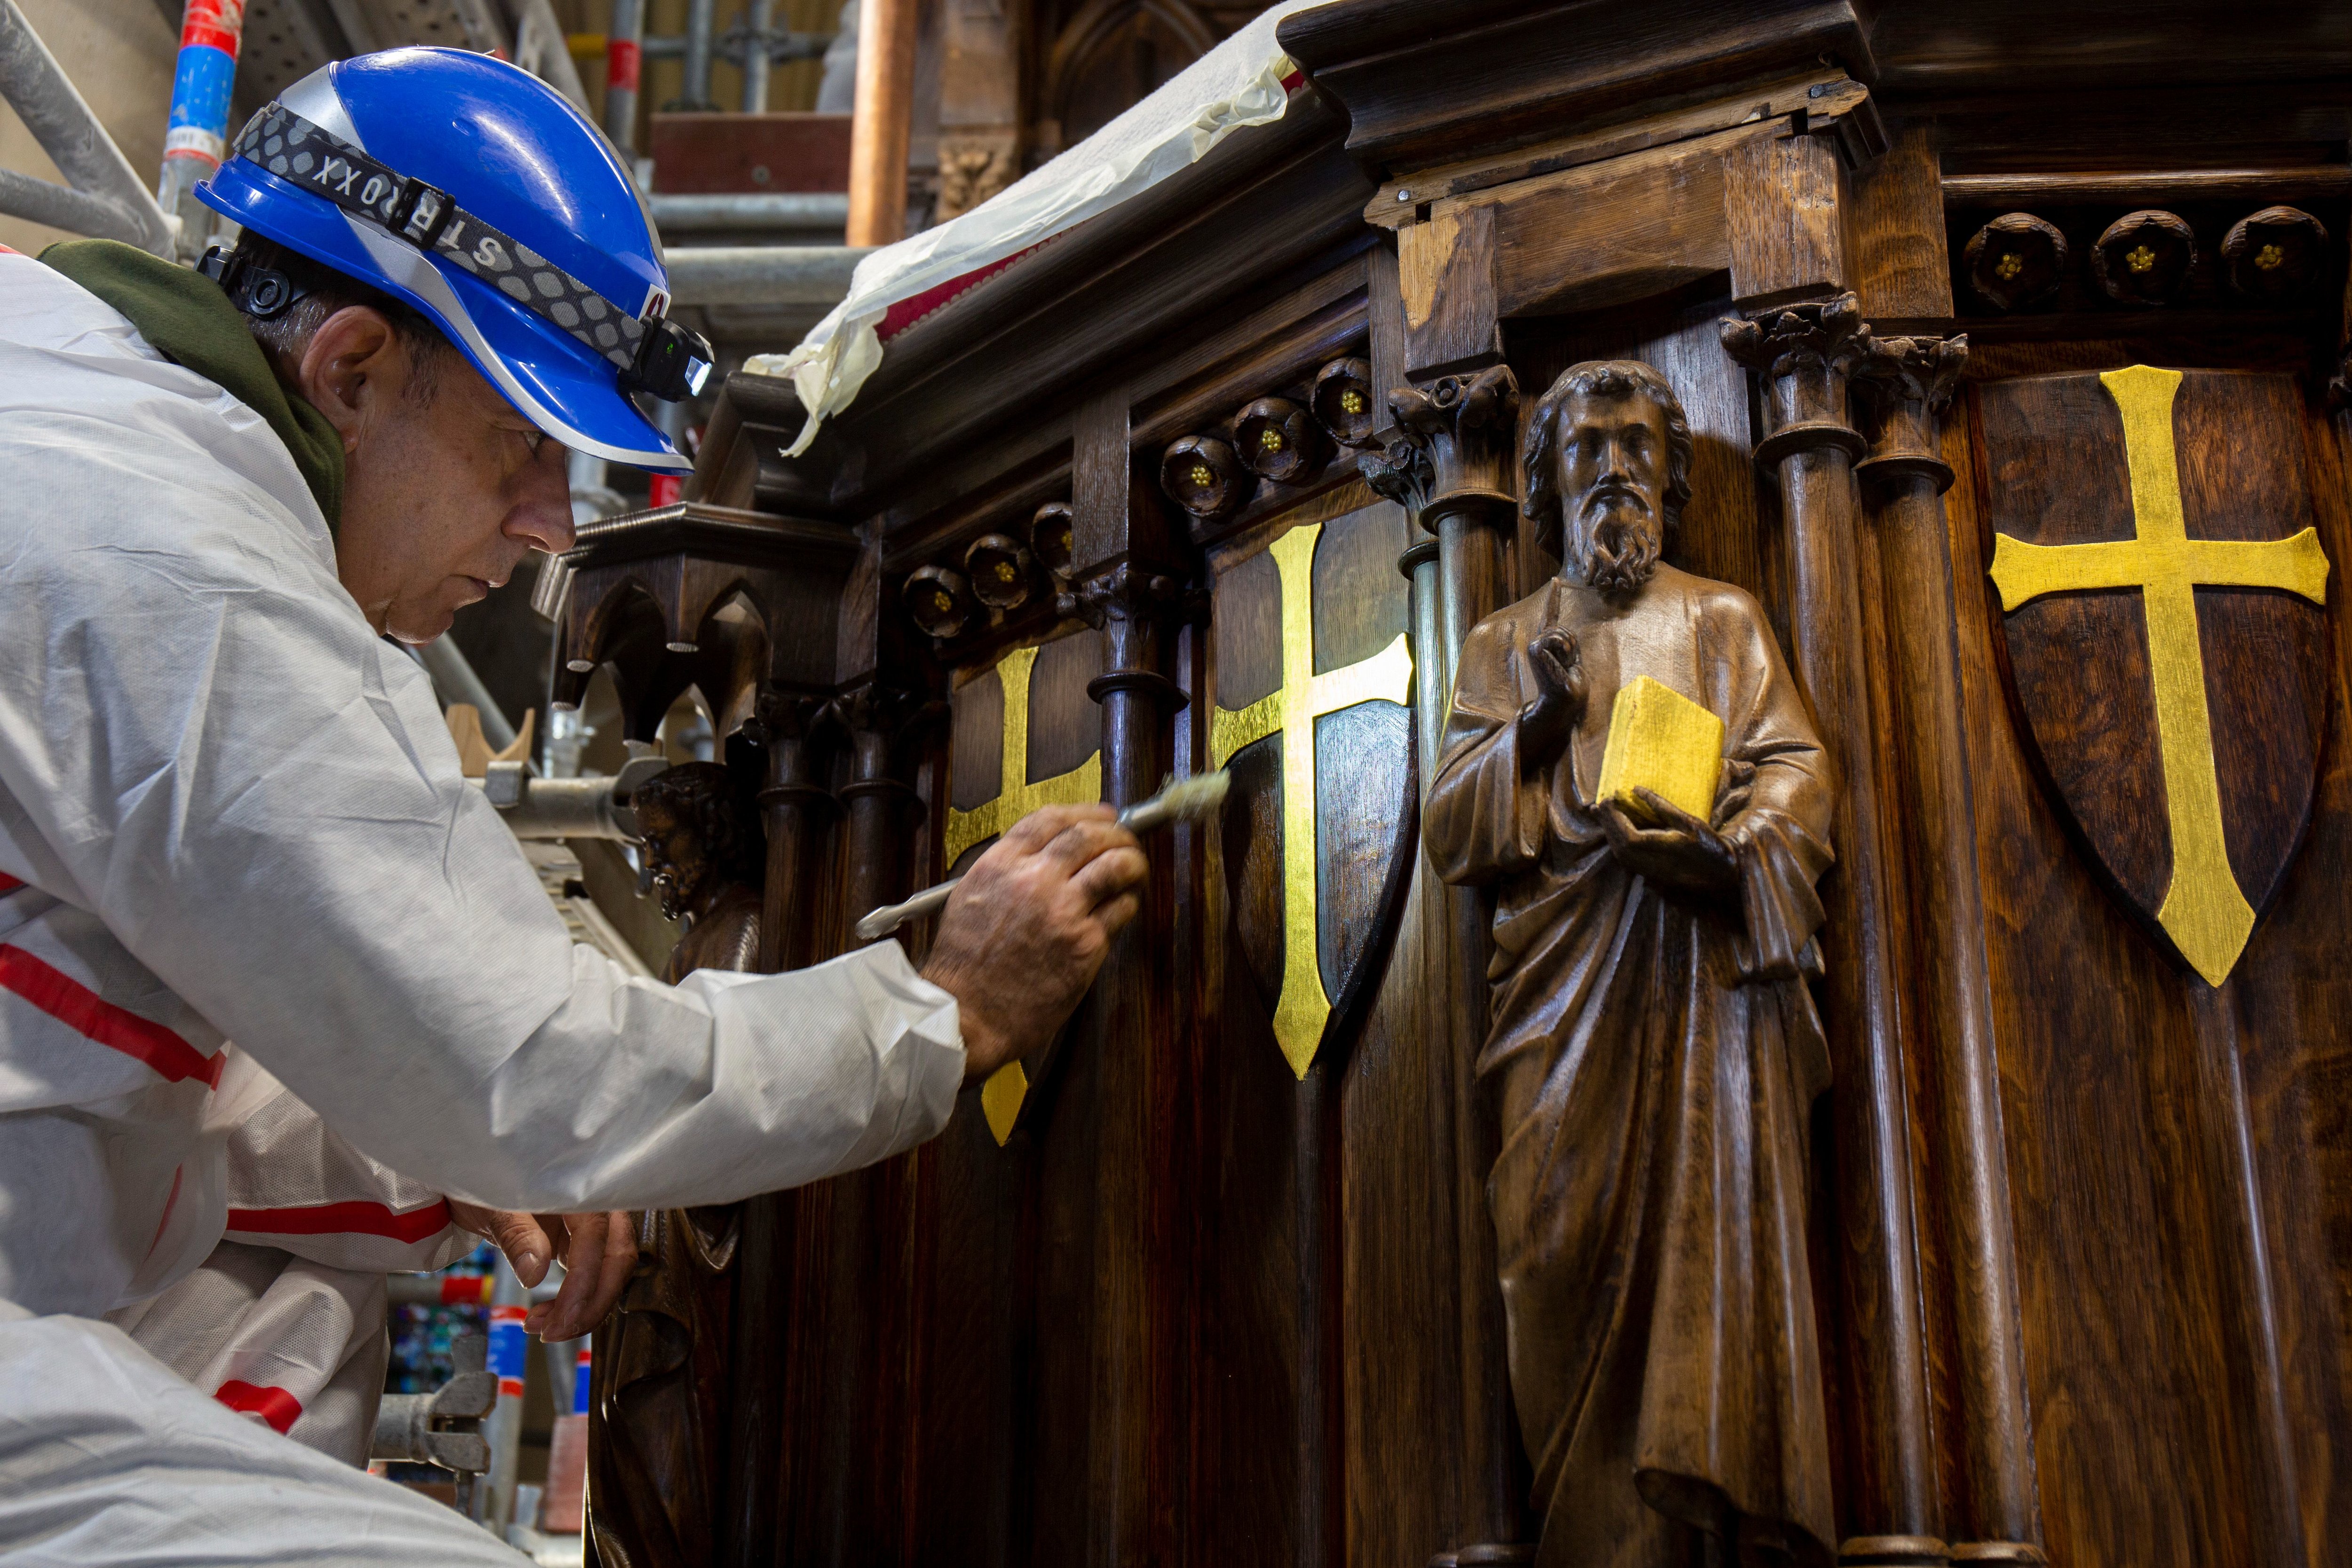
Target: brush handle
[881,922]
[1140,817]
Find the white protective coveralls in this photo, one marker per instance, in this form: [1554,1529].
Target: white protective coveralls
[229,812]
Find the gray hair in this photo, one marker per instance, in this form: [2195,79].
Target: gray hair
[1604,378]
[322,292]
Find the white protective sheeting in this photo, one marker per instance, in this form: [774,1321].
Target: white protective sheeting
[236,813]
[108,1460]
[1243,81]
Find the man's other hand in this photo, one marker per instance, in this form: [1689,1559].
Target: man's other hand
[1024,933]
[598,1252]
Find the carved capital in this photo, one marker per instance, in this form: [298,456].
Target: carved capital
[1803,355]
[1907,381]
[877,716]
[884,708]
[1132,605]
[974,166]
[1125,595]
[1463,432]
[1402,473]
[1922,370]
[792,727]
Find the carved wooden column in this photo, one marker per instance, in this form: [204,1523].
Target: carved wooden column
[1907,381]
[1123,1132]
[798,811]
[1803,355]
[849,1403]
[1452,462]
[1135,1421]
[1402,473]
[881,806]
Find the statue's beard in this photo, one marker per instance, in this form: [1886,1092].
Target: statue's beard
[676,896]
[1617,553]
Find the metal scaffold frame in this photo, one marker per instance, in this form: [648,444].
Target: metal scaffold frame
[102,197]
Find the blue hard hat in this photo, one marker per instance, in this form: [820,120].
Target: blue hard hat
[475,192]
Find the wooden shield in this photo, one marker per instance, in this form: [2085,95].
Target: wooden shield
[2161,590]
[1312,685]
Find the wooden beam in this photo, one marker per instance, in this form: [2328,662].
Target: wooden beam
[2142,187]
[878,124]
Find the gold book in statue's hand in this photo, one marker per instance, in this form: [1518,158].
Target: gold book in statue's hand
[1660,740]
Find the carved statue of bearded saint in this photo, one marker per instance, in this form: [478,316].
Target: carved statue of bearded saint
[658,1383]
[1655,1052]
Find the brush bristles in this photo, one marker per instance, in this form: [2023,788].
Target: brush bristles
[1196,796]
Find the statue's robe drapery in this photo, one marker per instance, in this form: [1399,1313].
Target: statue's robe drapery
[660,1366]
[726,937]
[1653,1062]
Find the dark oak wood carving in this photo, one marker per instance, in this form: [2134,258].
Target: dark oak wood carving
[2144,257]
[1801,356]
[939,601]
[1654,1047]
[1286,439]
[2075,1221]
[999,570]
[2015,260]
[2276,255]
[661,1371]
[705,857]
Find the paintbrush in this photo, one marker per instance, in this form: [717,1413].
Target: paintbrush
[1183,801]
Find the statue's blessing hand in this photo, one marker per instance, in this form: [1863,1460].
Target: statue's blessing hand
[1546,723]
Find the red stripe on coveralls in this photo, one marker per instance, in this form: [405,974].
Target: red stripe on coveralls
[357,1216]
[88,1014]
[10,884]
[275,1405]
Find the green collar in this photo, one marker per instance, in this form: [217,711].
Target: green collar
[187,318]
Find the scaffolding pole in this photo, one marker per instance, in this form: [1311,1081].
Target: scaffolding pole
[103,196]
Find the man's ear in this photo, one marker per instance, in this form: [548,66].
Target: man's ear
[354,364]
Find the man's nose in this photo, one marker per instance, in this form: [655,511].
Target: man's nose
[543,515]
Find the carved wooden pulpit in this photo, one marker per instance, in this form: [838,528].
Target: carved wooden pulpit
[1999,339]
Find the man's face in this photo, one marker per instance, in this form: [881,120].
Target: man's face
[1611,468]
[443,497]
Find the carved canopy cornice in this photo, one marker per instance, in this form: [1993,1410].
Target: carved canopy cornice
[1421,80]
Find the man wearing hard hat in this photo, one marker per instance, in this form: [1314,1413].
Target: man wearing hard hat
[260,945]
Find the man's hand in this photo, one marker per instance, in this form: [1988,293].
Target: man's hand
[598,1252]
[1546,723]
[1666,845]
[1024,933]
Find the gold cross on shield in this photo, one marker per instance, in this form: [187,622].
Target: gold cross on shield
[1303,1008]
[1016,797]
[2203,912]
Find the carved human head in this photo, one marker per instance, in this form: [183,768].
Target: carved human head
[1608,460]
[697,835]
